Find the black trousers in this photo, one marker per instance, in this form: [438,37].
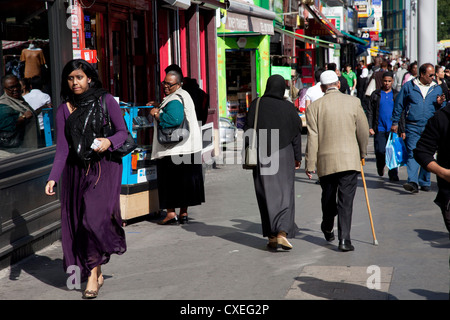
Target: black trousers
[338,192]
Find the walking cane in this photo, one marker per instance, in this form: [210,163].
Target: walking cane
[375,241]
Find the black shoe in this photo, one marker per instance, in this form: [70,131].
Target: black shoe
[329,236]
[411,187]
[380,171]
[425,188]
[345,245]
[168,222]
[184,219]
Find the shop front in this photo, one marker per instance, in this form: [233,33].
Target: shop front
[186,36]
[116,37]
[35,45]
[243,51]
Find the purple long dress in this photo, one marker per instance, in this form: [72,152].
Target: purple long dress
[91,224]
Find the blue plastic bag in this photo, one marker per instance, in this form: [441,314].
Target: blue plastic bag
[396,154]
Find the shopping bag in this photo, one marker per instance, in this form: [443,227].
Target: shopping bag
[396,154]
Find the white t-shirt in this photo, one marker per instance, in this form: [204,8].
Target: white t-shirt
[314,93]
[36,99]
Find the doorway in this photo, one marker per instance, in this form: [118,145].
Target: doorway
[118,64]
[241,82]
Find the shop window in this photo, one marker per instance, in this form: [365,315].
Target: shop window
[26,110]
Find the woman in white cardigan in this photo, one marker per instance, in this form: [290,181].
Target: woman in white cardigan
[179,166]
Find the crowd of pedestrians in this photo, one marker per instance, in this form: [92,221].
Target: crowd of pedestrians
[380,100]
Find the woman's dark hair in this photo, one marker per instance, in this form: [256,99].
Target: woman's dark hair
[437,68]
[86,67]
[411,66]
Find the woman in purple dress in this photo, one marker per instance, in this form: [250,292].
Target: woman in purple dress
[91,224]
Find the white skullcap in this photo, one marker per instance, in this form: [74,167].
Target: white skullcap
[328,77]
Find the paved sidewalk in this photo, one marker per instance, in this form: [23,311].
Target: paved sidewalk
[221,254]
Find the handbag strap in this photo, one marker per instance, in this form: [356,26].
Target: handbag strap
[105,110]
[256,122]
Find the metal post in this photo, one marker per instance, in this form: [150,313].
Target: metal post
[412,30]
[427,31]
[60,39]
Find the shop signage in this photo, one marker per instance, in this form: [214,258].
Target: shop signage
[239,22]
[316,29]
[361,8]
[374,35]
[262,26]
[285,72]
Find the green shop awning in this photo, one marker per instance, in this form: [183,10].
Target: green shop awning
[355,39]
[310,40]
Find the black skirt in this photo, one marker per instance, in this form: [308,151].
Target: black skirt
[180,181]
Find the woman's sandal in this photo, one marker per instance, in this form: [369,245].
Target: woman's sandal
[90,294]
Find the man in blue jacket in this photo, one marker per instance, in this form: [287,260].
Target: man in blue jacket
[419,98]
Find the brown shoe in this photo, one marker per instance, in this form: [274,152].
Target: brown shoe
[272,244]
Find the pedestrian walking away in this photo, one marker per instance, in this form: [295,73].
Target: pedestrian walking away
[419,99]
[179,166]
[379,116]
[435,139]
[313,93]
[91,175]
[279,154]
[336,152]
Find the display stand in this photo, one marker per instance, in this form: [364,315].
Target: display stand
[139,192]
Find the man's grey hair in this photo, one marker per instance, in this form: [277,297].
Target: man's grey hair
[327,86]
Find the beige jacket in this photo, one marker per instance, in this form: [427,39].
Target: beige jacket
[193,143]
[338,134]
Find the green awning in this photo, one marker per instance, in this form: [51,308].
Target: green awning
[355,39]
[310,40]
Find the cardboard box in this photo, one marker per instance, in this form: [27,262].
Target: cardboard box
[139,204]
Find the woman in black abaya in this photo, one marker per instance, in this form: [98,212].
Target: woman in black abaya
[279,154]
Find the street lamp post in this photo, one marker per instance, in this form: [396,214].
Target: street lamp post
[427,31]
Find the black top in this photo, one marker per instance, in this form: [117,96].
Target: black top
[276,113]
[435,139]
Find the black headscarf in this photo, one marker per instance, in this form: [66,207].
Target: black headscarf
[275,113]
[85,123]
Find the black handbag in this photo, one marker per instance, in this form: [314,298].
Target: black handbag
[129,145]
[10,139]
[174,135]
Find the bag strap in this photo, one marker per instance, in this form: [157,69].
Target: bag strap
[105,110]
[256,123]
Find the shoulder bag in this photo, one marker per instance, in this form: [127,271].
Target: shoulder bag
[129,145]
[174,135]
[251,151]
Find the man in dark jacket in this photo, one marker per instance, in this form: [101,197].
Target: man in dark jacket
[379,115]
[344,84]
[435,139]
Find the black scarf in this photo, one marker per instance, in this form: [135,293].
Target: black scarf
[275,113]
[85,124]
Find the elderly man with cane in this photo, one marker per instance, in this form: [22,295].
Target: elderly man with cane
[338,134]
